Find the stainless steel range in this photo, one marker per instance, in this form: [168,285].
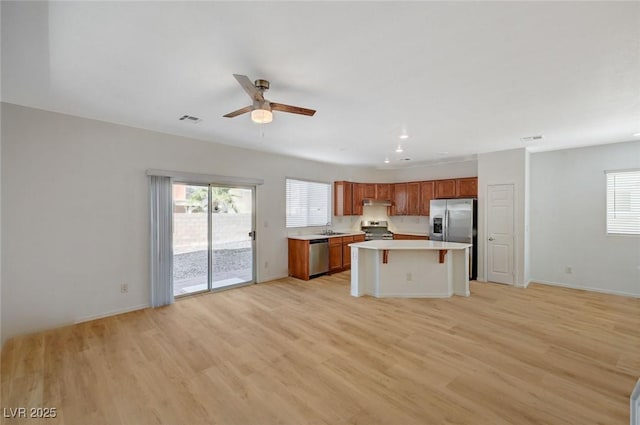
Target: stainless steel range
[376,230]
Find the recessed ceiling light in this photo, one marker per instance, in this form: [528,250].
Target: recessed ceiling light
[404,136]
[386,160]
[636,134]
[399,149]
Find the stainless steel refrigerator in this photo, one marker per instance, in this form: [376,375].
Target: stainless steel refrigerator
[456,220]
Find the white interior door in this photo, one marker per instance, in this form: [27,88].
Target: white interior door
[500,233]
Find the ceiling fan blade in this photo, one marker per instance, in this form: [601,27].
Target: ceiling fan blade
[292,109]
[238,112]
[248,86]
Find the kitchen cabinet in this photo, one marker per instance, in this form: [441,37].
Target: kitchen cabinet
[335,254]
[346,252]
[445,188]
[403,237]
[358,196]
[342,198]
[399,199]
[457,188]
[383,191]
[427,193]
[413,198]
[299,259]
[369,191]
[339,255]
[467,188]
[406,199]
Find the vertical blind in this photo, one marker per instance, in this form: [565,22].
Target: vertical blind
[308,203]
[623,202]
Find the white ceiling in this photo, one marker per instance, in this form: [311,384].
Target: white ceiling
[460,78]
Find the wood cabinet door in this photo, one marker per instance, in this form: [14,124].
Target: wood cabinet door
[299,259]
[369,191]
[399,199]
[427,193]
[446,188]
[467,188]
[335,257]
[342,198]
[358,238]
[383,191]
[346,256]
[358,196]
[413,198]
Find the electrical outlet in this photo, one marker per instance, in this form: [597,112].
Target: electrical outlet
[409,277]
[124,288]
[568,270]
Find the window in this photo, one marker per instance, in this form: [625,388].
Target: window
[623,202]
[308,203]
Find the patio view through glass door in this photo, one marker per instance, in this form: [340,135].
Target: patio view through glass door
[213,246]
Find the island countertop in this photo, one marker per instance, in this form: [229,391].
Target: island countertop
[384,245]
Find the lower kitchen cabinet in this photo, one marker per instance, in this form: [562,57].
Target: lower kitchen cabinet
[403,237]
[299,259]
[339,255]
[335,254]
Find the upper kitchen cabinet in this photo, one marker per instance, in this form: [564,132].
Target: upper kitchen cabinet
[427,193]
[399,199]
[342,198]
[406,199]
[358,196]
[457,188]
[383,191]
[369,190]
[446,188]
[467,188]
[413,198]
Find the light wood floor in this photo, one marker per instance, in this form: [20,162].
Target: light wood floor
[293,352]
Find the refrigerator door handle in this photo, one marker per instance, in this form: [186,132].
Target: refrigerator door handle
[446,226]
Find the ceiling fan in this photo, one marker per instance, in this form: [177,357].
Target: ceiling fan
[261,110]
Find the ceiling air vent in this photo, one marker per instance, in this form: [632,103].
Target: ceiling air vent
[190,118]
[531,138]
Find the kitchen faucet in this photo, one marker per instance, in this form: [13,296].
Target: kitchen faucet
[326,228]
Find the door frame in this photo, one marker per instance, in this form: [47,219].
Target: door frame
[254,254]
[485,242]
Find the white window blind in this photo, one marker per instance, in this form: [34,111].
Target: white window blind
[623,202]
[308,203]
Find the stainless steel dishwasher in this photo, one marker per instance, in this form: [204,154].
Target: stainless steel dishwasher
[318,256]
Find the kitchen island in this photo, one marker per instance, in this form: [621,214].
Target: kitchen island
[409,268]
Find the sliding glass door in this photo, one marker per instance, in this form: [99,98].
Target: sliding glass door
[213,237]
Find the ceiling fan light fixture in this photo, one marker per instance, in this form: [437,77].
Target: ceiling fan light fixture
[261,113]
[261,116]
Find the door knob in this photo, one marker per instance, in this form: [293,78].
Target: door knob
[491,239]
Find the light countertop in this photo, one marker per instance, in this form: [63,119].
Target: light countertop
[314,236]
[409,245]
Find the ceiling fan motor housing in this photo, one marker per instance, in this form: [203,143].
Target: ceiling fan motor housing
[262,84]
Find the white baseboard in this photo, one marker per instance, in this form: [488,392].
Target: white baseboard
[110,313]
[418,295]
[586,288]
[270,278]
